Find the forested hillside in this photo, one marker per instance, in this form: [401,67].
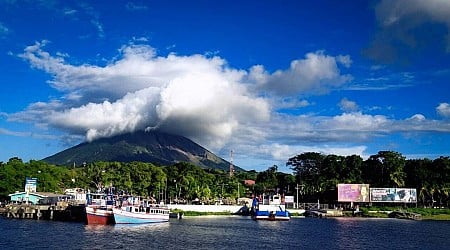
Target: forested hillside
[315,175]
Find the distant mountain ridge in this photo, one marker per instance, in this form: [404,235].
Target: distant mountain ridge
[154,147]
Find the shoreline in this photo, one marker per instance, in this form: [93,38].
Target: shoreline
[347,214]
[426,218]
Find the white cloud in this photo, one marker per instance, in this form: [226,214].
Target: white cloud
[344,60]
[38,113]
[135,111]
[3,30]
[99,27]
[392,12]
[402,24]
[316,73]
[357,122]
[135,7]
[28,134]
[194,96]
[14,133]
[289,103]
[202,98]
[417,117]
[347,105]
[284,152]
[443,109]
[70,12]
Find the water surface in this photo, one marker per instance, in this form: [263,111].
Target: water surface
[229,232]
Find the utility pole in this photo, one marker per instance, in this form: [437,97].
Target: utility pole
[231,163]
[238,190]
[297,194]
[176,191]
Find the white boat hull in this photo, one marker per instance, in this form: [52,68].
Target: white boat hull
[124,216]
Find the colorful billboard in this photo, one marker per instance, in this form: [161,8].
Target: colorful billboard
[353,192]
[393,195]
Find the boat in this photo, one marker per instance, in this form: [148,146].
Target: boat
[136,211]
[272,209]
[99,209]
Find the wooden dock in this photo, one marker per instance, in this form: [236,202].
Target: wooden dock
[322,213]
[405,215]
[62,211]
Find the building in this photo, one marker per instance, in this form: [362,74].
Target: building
[249,182]
[38,197]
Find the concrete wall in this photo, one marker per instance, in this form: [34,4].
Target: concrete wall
[206,208]
[218,208]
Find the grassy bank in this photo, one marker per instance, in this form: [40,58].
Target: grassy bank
[197,213]
[432,213]
[426,213]
[372,212]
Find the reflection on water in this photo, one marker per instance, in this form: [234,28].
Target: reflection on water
[128,227]
[98,227]
[160,227]
[229,233]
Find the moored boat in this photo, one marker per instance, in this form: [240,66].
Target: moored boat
[134,211]
[270,209]
[99,209]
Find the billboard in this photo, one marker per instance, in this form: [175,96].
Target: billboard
[353,192]
[393,195]
[289,199]
[30,184]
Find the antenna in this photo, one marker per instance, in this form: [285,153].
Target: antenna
[231,163]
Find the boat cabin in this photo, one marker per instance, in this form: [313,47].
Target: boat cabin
[272,200]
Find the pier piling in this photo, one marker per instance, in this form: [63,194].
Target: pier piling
[63,212]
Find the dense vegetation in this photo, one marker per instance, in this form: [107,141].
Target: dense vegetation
[315,176]
[319,174]
[181,181]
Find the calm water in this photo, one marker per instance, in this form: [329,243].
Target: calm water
[229,233]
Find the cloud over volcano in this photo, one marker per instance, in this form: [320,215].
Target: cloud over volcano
[195,96]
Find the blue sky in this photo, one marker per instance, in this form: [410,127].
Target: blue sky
[266,79]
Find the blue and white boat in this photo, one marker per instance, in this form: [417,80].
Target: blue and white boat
[270,209]
[134,211]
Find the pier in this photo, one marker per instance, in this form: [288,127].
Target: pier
[62,211]
[405,215]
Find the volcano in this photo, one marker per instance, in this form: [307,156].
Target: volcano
[154,147]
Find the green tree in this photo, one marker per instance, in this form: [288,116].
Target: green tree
[441,183]
[352,172]
[420,175]
[385,169]
[267,180]
[307,168]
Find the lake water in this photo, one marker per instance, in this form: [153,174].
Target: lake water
[229,232]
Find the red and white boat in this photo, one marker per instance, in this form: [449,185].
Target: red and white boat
[99,209]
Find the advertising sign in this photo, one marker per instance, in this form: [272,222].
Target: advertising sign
[393,195]
[30,184]
[353,192]
[289,199]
